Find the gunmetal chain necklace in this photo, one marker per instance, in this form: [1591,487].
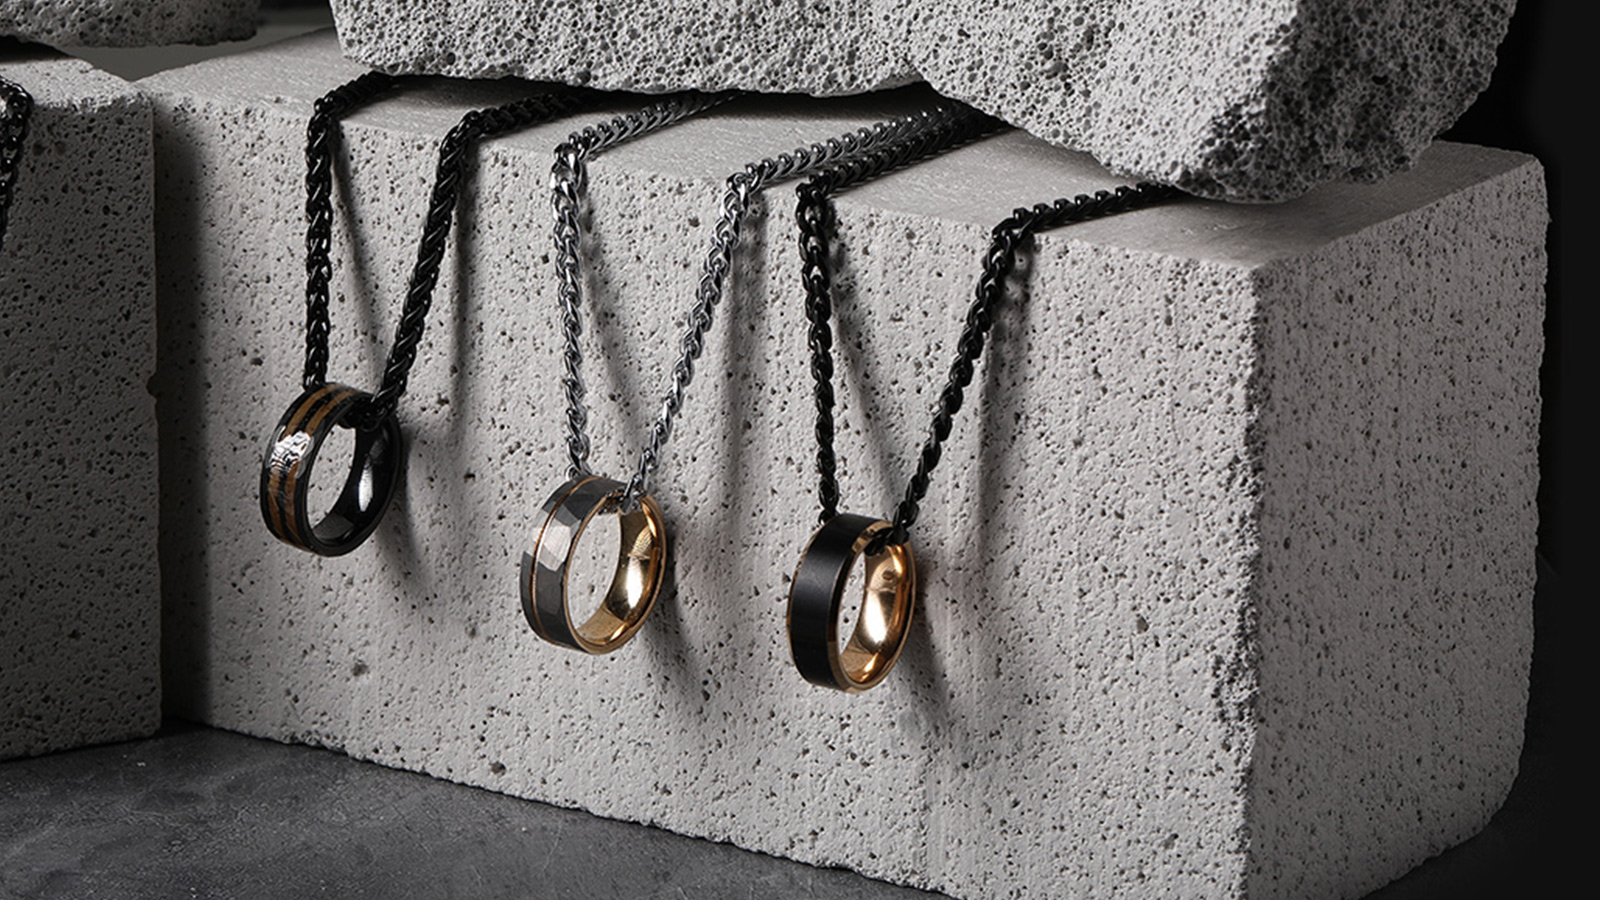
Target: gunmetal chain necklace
[641,561]
[843,538]
[572,506]
[375,467]
[16,108]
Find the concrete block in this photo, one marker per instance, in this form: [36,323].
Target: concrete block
[1238,101]
[80,607]
[1228,567]
[128,23]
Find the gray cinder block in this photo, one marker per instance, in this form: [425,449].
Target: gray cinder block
[128,23]
[1228,567]
[1235,100]
[80,607]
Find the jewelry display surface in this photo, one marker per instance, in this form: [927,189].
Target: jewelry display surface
[1231,98]
[80,605]
[128,23]
[1160,604]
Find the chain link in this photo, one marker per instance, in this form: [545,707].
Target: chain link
[739,194]
[322,135]
[16,108]
[817,223]
[569,184]
[814,214]
[443,198]
[453,157]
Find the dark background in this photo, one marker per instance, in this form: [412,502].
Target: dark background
[1537,103]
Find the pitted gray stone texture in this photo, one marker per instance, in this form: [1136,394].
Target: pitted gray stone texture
[80,605]
[1239,512]
[1245,101]
[128,23]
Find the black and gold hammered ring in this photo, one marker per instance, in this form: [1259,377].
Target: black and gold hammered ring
[291,455]
[641,566]
[815,598]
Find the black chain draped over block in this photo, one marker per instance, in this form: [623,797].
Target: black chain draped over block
[815,216]
[16,108]
[321,138]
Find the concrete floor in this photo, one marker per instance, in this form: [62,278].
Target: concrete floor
[196,812]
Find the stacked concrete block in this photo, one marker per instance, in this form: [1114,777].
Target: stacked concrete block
[1228,567]
[1235,100]
[80,601]
[128,23]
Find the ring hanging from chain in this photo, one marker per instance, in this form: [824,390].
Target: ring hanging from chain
[292,455]
[16,110]
[544,576]
[814,600]
[816,595]
[375,467]
[572,507]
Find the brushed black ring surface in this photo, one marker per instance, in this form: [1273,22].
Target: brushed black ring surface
[816,595]
[287,468]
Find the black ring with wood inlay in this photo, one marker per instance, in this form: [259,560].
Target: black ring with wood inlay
[377,459]
[292,454]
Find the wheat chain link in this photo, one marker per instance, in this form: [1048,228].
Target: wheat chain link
[816,218]
[815,215]
[569,185]
[322,134]
[738,196]
[449,174]
[16,108]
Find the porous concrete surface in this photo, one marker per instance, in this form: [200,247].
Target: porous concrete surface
[1187,630]
[128,23]
[1234,100]
[80,605]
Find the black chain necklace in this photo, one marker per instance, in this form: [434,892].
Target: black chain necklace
[574,504]
[287,467]
[843,538]
[16,108]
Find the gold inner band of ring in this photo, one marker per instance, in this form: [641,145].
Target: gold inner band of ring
[887,600]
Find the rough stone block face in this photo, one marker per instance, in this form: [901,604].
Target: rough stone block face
[1228,568]
[128,23]
[80,606]
[1234,100]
